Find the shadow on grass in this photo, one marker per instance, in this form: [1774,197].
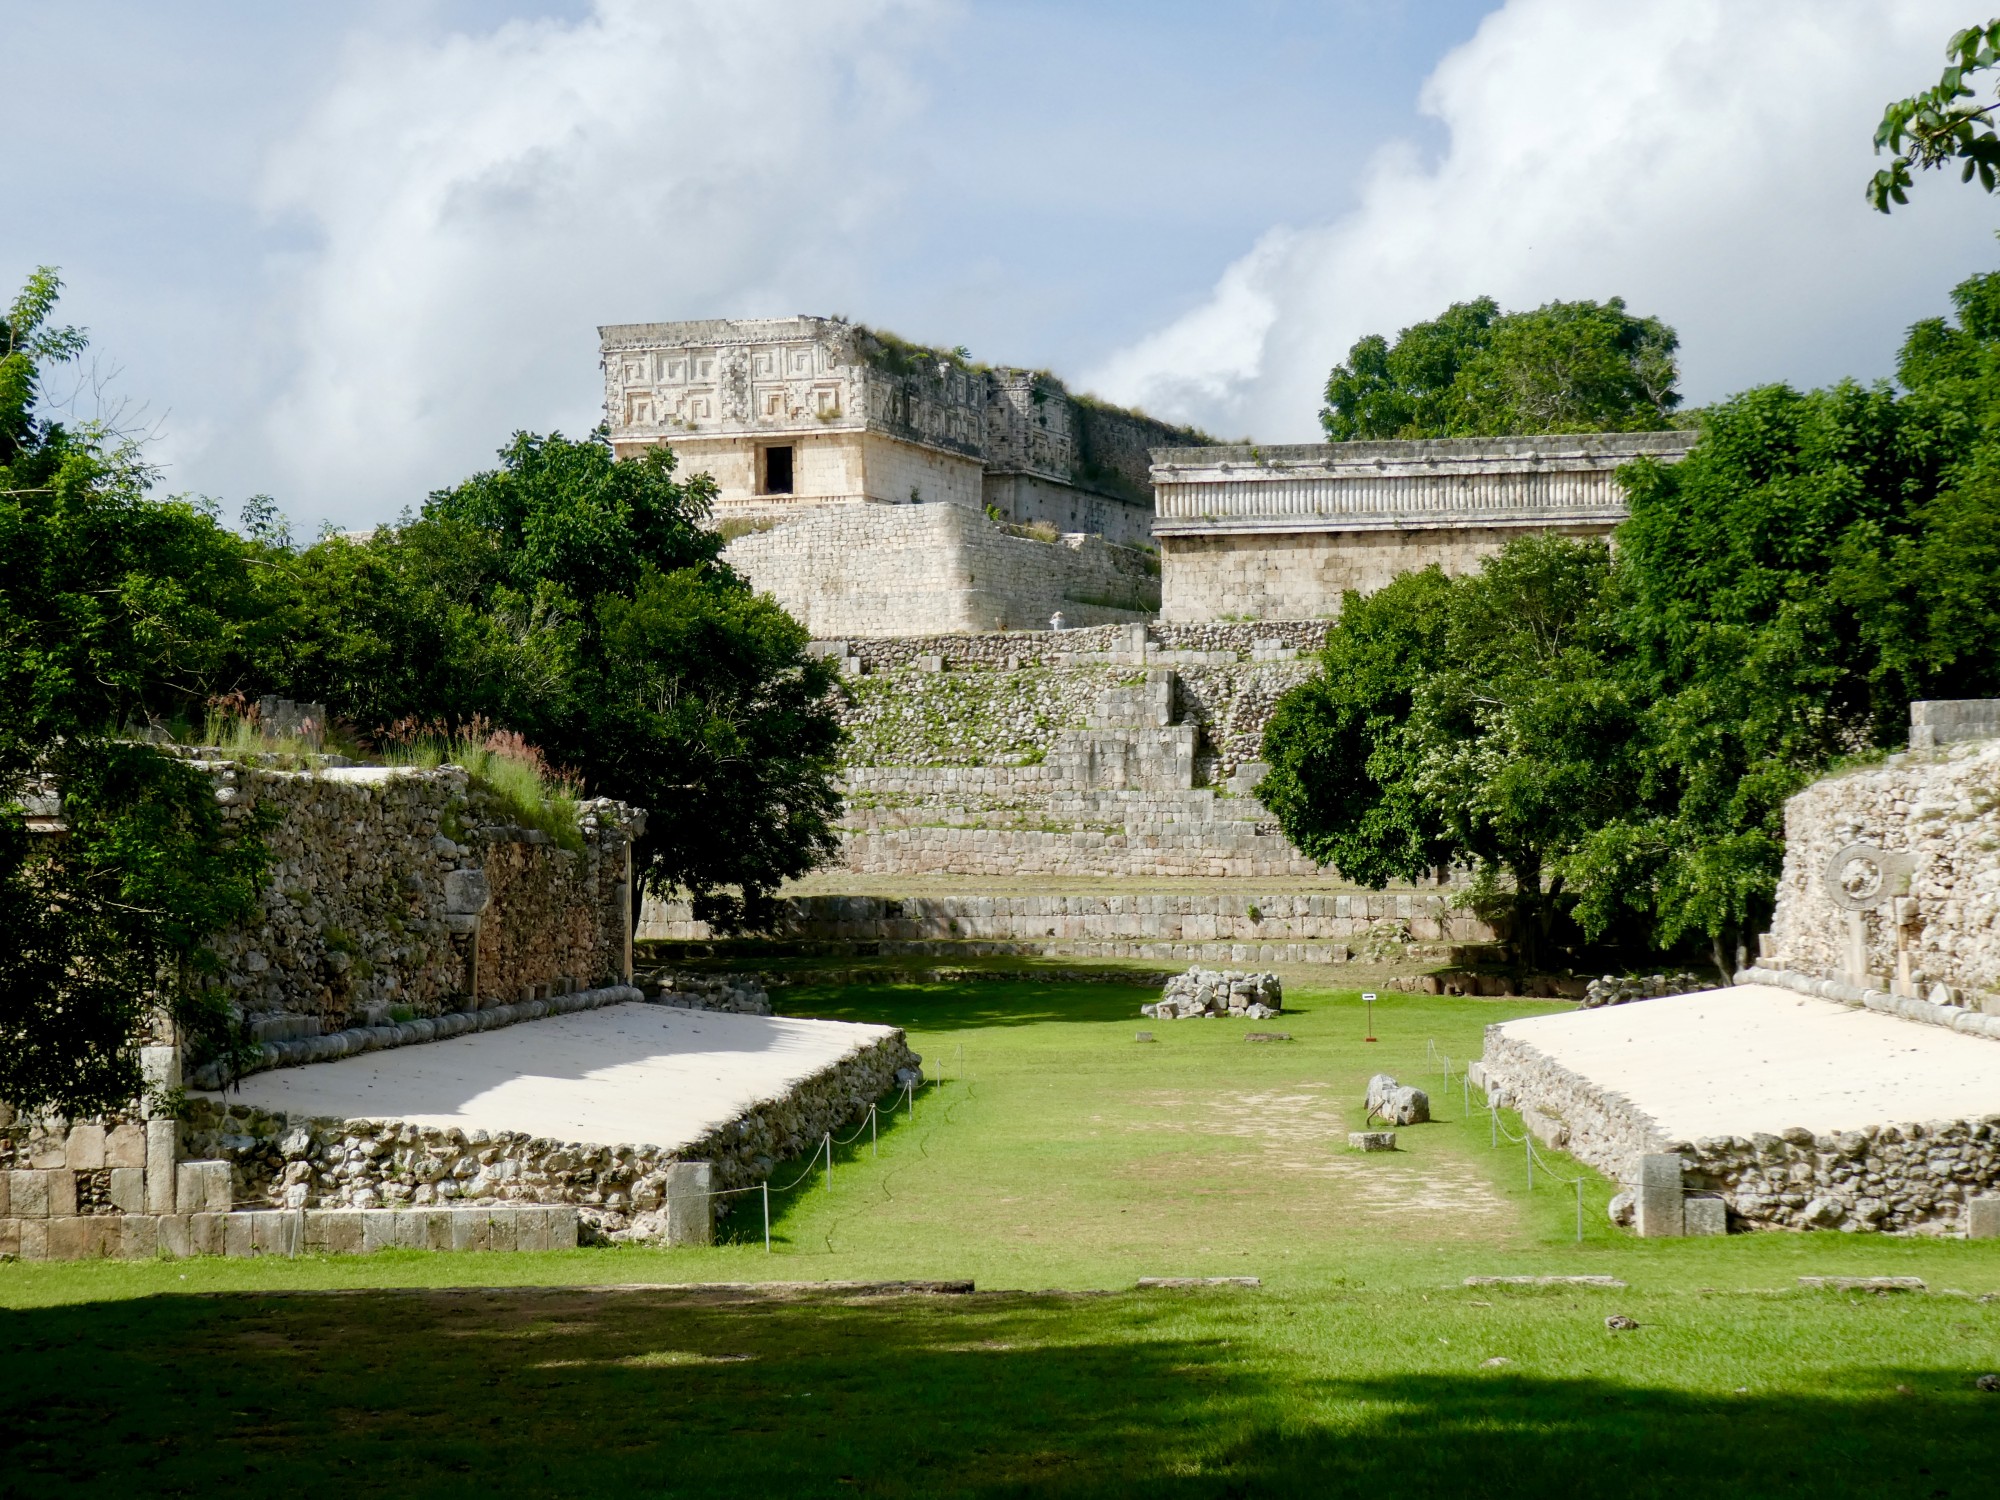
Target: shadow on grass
[964,1007]
[719,1394]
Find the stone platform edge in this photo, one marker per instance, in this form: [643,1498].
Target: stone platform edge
[356,1040]
[1964,1021]
[289,1232]
[1596,1125]
[1925,1177]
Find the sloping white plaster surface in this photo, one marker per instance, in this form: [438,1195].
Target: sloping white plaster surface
[1757,1058]
[649,1075]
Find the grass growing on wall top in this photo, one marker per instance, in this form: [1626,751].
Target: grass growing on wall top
[507,769]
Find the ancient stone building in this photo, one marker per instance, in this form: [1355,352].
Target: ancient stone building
[1279,533]
[846,442]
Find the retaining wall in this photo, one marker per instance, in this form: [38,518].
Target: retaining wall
[1913,1175]
[1913,906]
[398,890]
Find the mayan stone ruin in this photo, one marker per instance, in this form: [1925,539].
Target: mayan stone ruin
[1850,1078]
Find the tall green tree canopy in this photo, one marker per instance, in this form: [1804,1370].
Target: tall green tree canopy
[114,606]
[577,598]
[566,595]
[1776,601]
[1475,371]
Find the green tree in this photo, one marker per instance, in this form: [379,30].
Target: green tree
[578,599]
[115,608]
[1943,125]
[1778,599]
[1477,372]
[1468,721]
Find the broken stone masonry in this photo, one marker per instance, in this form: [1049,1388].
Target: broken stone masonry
[1206,992]
[1889,901]
[1396,1103]
[403,907]
[1614,990]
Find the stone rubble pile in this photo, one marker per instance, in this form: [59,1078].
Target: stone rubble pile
[737,994]
[1613,990]
[1397,1103]
[1211,992]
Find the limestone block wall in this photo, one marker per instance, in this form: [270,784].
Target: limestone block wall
[897,570]
[1362,921]
[281,1161]
[1913,1175]
[1302,575]
[412,891]
[1891,879]
[977,714]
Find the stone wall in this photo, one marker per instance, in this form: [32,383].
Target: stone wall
[1911,1175]
[218,1179]
[279,1161]
[398,893]
[1007,699]
[1891,880]
[1283,577]
[934,568]
[1281,532]
[1278,926]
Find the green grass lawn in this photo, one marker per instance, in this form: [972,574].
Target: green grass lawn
[1058,1160]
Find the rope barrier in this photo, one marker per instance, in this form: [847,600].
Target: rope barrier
[825,1147]
[1497,1132]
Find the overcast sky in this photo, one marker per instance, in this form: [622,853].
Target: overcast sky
[339,252]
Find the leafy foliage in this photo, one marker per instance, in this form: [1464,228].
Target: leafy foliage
[1475,371]
[114,607]
[577,599]
[1611,743]
[1941,126]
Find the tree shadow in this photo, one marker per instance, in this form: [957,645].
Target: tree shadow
[967,1006]
[571,1391]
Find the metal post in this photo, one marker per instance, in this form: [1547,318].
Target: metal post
[1579,1210]
[872,1139]
[1465,1087]
[1527,1143]
[767,1218]
[1493,1115]
[829,1162]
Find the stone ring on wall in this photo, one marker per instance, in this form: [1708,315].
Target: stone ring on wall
[1861,877]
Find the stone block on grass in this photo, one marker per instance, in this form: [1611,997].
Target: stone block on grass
[469,1229]
[1371,1140]
[1702,1213]
[1659,1199]
[333,1231]
[690,1211]
[1982,1218]
[175,1235]
[502,1229]
[138,1237]
[208,1234]
[378,1230]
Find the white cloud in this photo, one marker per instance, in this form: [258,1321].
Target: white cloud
[474,207]
[1702,158]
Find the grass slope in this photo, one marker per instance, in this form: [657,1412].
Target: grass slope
[1060,1153]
